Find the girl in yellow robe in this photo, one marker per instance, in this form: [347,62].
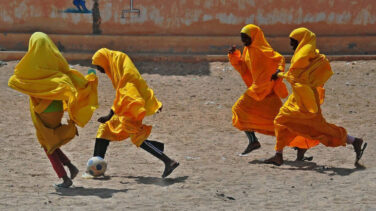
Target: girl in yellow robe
[300,116]
[256,109]
[44,75]
[134,100]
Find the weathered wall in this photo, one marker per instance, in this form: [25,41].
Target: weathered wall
[193,17]
[190,18]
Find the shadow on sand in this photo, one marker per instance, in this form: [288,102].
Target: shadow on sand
[157,180]
[81,191]
[312,166]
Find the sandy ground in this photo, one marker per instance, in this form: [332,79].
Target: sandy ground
[196,127]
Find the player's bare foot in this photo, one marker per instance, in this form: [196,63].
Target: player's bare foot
[359,148]
[277,159]
[66,184]
[73,170]
[251,146]
[300,155]
[169,168]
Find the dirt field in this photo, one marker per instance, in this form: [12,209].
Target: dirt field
[196,127]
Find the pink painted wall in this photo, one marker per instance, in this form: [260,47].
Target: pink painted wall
[193,17]
[342,26]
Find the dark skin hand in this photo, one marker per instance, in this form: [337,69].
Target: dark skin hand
[104,119]
[275,75]
[160,109]
[294,44]
[232,49]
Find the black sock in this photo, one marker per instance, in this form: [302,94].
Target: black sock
[251,136]
[157,144]
[149,147]
[100,147]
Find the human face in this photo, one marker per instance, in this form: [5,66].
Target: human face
[294,43]
[247,41]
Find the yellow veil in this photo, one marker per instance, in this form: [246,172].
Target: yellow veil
[44,75]
[133,98]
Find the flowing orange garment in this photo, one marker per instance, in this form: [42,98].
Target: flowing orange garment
[134,99]
[44,75]
[300,122]
[256,109]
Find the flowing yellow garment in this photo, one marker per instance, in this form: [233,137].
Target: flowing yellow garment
[256,109]
[134,99]
[44,75]
[300,122]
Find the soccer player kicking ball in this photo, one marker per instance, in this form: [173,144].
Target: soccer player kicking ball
[134,100]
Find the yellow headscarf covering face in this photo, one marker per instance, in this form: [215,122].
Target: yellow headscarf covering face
[100,58]
[258,39]
[306,47]
[43,73]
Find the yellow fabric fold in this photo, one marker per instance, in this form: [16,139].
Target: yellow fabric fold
[133,101]
[257,108]
[44,75]
[300,122]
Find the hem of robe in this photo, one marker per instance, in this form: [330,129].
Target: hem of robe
[137,138]
[51,139]
[306,142]
[255,129]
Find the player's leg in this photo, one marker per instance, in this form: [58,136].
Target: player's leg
[60,171]
[66,162]
[170,164]
[100,147]
[253,142]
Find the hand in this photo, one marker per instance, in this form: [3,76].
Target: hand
[232,49]
[275,75]
[104,119]
[160,109]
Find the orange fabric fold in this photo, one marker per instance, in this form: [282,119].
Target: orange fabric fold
[133,101]
[300,122]
[256,109]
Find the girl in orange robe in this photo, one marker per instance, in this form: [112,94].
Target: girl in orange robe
[134,100]
[300,117]
[256,109]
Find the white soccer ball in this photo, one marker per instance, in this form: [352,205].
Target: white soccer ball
[96,166]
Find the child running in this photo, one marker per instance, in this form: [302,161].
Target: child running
[134,100]
[301,115]
[256,109]
[44,75]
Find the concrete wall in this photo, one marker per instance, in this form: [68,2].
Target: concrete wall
[344,22]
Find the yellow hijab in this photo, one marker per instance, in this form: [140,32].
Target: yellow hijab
[263,57]
[309,69]
[133,96]
[306,48]
[44,75]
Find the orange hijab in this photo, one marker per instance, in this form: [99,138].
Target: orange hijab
[258,51]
